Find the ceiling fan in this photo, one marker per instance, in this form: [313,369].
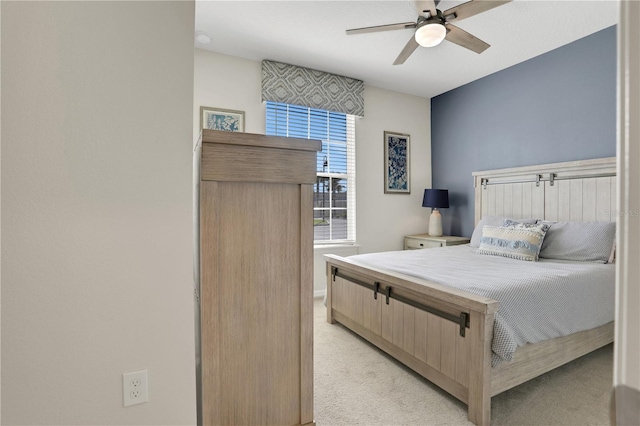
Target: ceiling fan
[433,26]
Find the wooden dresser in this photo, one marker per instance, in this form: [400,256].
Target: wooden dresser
[256,279]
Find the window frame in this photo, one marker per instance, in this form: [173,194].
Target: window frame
[275,128]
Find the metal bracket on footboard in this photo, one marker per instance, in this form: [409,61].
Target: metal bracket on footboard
[462,320]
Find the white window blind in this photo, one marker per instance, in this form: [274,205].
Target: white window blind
[334,200]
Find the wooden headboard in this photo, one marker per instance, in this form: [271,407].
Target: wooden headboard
[571,191]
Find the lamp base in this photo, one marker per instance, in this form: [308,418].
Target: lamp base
[435,224]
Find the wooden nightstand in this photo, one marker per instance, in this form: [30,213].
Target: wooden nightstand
[422,241]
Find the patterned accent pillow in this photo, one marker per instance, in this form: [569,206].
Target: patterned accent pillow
[524,223]
[520,241]
[493,221]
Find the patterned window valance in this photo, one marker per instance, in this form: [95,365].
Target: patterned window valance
[314,89]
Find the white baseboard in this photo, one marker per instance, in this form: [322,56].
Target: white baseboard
[319,293]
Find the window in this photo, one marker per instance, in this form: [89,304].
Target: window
[334,190]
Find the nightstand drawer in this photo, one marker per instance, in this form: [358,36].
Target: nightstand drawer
[423,241]
[418,243]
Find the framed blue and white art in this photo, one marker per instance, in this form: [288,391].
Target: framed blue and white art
[221,119]
[397,173]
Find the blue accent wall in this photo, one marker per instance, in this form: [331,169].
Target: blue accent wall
[559,106]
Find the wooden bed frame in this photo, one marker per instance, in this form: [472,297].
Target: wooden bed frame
[433,346]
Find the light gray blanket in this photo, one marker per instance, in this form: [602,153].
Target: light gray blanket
[538,300]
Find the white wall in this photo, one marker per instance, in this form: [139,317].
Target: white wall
[228,82]
[97,102]
[382,219]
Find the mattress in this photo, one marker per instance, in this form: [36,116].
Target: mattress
[537,300]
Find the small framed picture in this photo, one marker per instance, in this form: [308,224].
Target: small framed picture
[397,173]
[221,119]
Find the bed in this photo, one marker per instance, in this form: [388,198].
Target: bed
[448,326]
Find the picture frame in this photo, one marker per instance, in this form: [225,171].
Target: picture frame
[397,159]
[221,119]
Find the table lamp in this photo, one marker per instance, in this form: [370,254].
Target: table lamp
[436,199]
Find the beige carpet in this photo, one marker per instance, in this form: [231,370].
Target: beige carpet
[357,384]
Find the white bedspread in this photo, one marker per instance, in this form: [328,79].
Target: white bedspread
[538,300]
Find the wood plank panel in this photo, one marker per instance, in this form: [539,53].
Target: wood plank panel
[576,201]
[398,322]
[387,320]
[589,200]
[434,328]
[551,201]
[342,295]
[517,200]
[336,296]
[462,360]
[538,197]
[448,345]
[605,199]
[358,299]
[507,200]
[527,198]
[499,202]
[614,200]
[490,197]
[351,294]
[478,208]
[420,335]
[376,315]
[367,297]
[408,337]
[564,200]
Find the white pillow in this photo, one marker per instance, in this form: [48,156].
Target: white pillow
[580,241]
[612,256]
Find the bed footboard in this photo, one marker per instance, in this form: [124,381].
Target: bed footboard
[441,333]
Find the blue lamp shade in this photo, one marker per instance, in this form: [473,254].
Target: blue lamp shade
[436,198]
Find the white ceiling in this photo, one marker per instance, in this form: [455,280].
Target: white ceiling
[311,34]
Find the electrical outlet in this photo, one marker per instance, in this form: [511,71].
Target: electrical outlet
[135,388]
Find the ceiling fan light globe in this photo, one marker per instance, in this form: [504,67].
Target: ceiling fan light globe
[430,35]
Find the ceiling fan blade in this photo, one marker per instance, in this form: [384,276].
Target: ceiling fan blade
[389,27]
[471,8]
[464,39]
[407,51]
[426,8]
